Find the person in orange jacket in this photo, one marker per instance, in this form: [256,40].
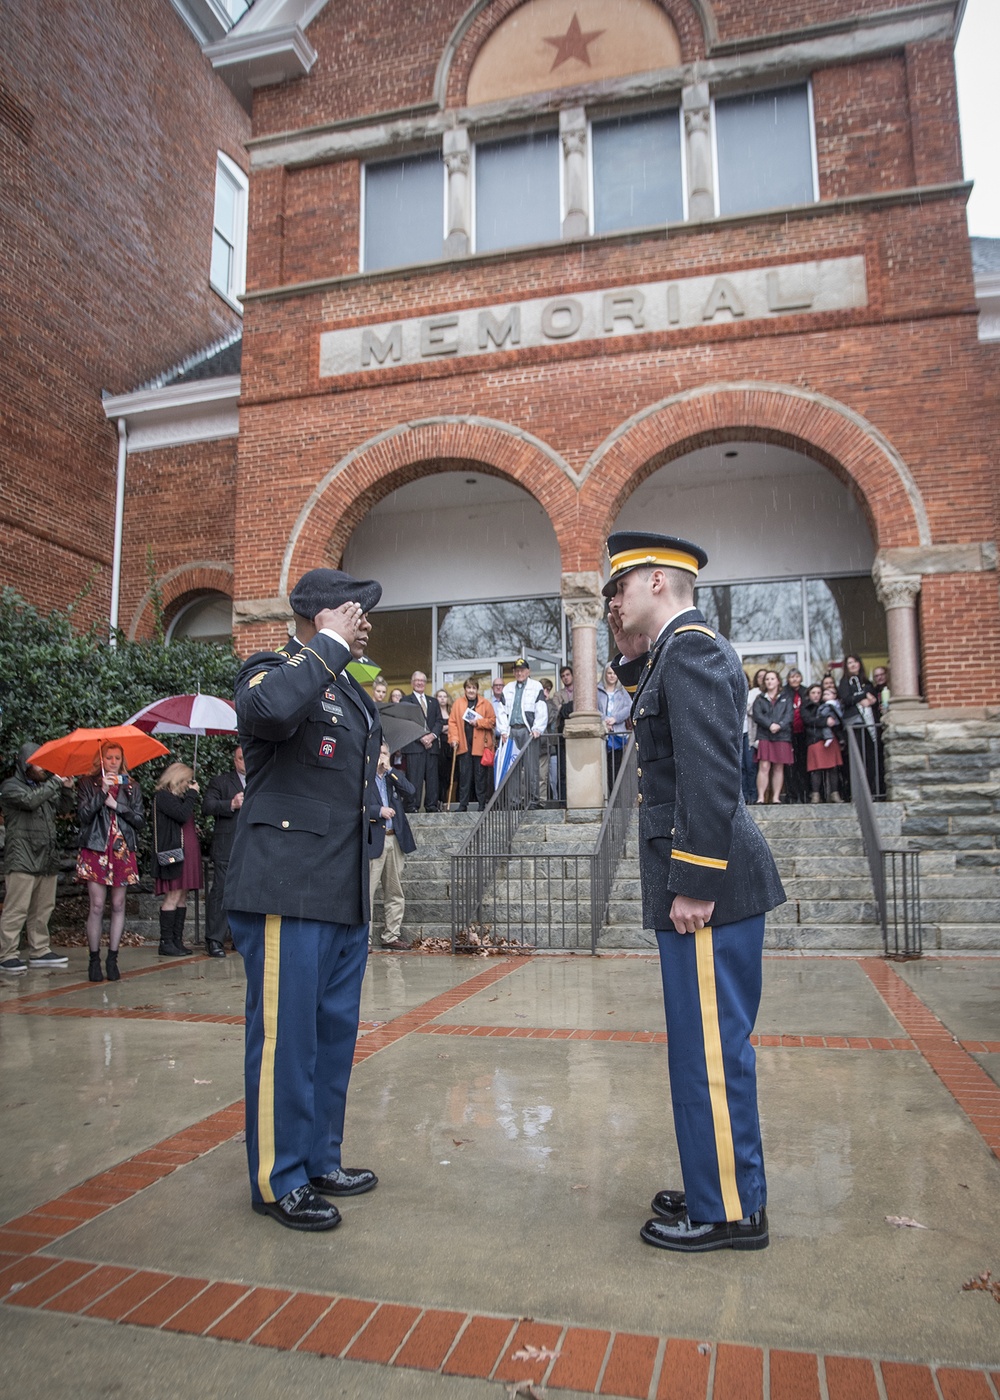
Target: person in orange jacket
[471,727]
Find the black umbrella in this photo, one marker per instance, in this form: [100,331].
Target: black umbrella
[402,724]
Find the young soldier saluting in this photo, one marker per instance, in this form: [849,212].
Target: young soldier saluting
[708,878]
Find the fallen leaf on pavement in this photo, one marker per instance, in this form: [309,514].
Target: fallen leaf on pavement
[460,1142]
[704,1348]
[534,1392]
[905,1220]
[580,1186]
[203,1081]
[530,1353]
[985,1283]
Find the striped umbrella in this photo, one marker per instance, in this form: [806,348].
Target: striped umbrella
[187,714]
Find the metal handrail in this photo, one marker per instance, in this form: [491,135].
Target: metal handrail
[541,887]
[893,868]
[474,864]
[610,845]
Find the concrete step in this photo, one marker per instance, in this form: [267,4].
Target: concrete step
[817,938]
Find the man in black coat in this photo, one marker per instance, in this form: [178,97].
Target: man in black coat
[422,755]
[390,842]
[223,800]
[297,896]
[708,878]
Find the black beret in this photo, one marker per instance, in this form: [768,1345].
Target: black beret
[634,549]
[331,588]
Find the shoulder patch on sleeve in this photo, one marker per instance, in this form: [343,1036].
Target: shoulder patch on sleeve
[695,627]
[256,680]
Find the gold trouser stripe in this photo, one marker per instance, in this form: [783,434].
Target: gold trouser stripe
[265,1087]
[716,1070]
[709,861]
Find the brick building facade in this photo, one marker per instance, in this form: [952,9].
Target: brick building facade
[111,125]
[515,278]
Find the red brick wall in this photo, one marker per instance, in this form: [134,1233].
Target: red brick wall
[181,503]
[110,120]
[862,127]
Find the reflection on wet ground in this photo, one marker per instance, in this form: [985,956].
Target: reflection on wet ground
[515,1172]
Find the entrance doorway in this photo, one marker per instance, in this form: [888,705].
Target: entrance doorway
[773,656]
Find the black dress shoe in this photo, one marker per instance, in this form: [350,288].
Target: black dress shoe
[669,1203]
[689,1237]
[215,950]
[346,1181]
[301,1209]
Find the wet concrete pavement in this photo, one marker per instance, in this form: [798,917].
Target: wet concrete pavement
[518,1115]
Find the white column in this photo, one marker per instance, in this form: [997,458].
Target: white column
[458,239]
[584,729]
[576,186]
[898,595]
[696,105]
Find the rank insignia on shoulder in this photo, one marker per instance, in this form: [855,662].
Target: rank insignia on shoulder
[257,679]
[695,627]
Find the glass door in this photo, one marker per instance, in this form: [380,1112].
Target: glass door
[774,656]
[452,675]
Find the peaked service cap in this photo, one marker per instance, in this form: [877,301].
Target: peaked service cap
[331,588]
[634,549]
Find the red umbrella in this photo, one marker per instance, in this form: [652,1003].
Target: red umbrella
[75,753]
[187,714]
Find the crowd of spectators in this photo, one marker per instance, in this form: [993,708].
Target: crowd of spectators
[795,737]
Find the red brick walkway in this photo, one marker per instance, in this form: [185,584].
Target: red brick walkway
[506,1349]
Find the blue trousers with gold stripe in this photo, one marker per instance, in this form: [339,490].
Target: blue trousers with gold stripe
[711,992]
[303,996]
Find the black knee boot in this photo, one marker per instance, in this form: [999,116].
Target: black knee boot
[182,949]
[94,973]
[167,949]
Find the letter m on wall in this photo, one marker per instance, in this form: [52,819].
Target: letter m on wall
[376,347]
[492,329]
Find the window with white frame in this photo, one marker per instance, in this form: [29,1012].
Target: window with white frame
[229,231]
[403,220]
[638,178]
[764,150]
[517,182]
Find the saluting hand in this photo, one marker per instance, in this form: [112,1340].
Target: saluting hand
[347,621]
[630,644]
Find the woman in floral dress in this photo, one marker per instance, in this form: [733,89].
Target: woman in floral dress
[109,807]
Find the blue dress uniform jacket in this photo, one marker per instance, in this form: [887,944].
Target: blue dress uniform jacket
[696,837]
[310,738]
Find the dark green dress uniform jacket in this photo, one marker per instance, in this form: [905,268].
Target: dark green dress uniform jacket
[696,837]
[301,843]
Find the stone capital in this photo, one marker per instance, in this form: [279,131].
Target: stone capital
[583,612]
[893,588]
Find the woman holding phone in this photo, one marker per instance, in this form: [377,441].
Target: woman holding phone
[109,808]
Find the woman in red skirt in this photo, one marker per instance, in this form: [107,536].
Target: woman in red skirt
[821,713]
[109,808]
[772,711]
[174,829]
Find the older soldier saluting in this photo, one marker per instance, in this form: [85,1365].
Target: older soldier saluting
[297,896]
[708,878]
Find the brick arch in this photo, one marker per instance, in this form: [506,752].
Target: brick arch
[694,21]
[178,587]
[349,490]
[833,434]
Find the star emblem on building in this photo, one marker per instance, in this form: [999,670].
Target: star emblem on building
[573,44]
